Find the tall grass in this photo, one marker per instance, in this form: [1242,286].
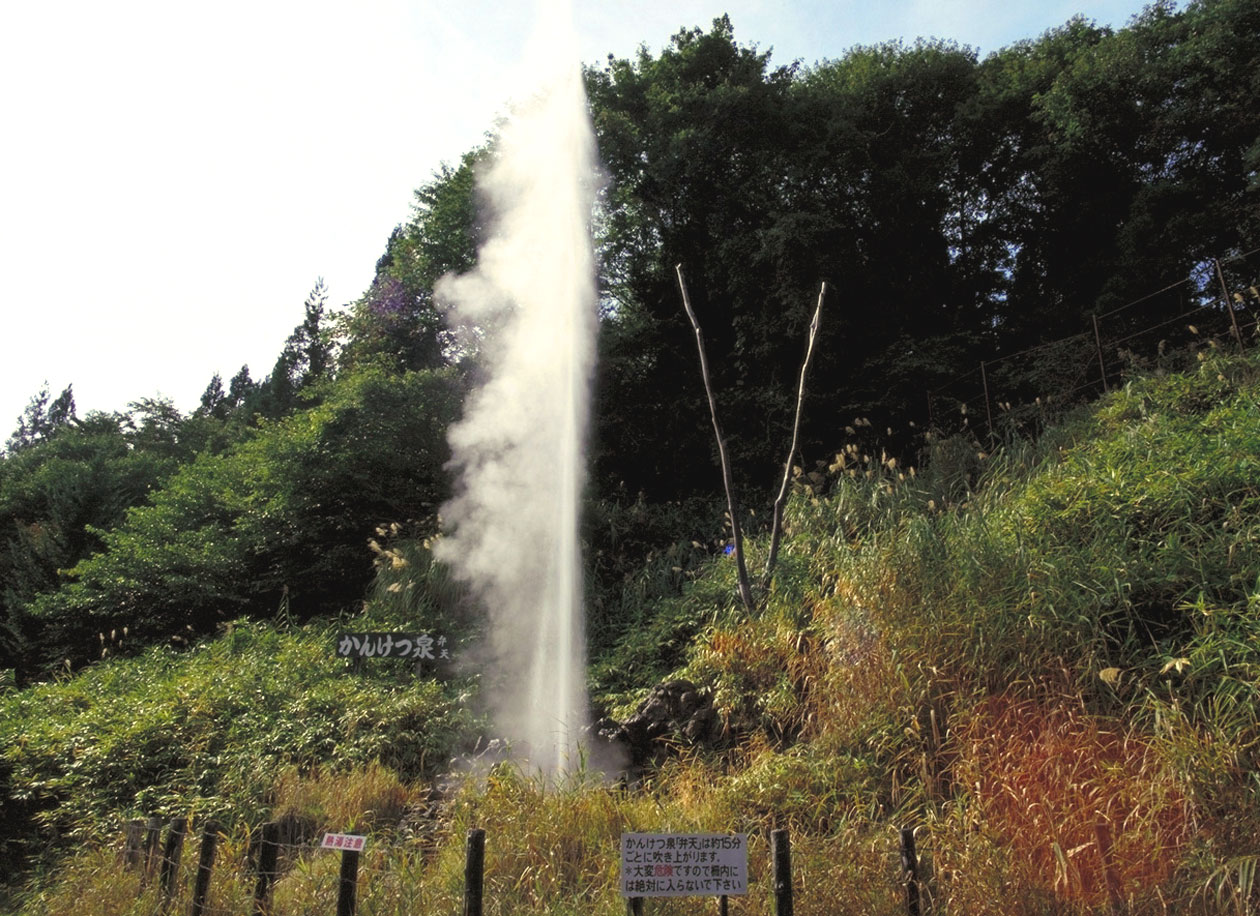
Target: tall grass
[211,731]
[1044,658]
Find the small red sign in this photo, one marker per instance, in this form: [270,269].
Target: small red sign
[348,841]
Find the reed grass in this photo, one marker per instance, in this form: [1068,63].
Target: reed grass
[1044,658]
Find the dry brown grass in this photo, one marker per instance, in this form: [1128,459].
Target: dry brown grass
[1087,810]
[362,800]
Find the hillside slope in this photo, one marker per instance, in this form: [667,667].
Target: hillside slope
[1043,657]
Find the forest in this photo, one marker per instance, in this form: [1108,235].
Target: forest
[959,209]
[1003,238]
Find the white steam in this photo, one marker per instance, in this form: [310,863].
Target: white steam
[519,448]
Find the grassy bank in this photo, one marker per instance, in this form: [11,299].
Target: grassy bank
[1042,656]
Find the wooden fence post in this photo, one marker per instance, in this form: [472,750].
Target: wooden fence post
[348,882]
[205,862]
[474,872]
[268,847]
[133,843]
[634,906]
[781,848]
[988,404]
[152,833]
[910,870]
[171,853]
[1102,366]
[1229,306]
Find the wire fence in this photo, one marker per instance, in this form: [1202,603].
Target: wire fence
[282,867]
[256,877]
[1217,305]
[1008,392]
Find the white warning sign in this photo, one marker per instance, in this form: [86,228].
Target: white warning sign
[684,864]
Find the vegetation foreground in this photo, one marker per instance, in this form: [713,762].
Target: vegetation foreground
[1038,654]
[1043,658]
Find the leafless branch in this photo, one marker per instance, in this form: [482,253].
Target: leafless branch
[776,526]
[745,589]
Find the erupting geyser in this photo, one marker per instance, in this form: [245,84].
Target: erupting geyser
[519,447]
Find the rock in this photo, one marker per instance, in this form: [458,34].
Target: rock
[675,712]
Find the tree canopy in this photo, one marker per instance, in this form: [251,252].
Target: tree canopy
[958,208]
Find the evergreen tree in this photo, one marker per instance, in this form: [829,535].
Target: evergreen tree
[214,400]
[305,360]
[242,391]
[40,418]
[398,322]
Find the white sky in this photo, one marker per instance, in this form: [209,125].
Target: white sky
[175,176]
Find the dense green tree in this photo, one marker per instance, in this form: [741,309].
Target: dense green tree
[214,402]
[696,142]
[56,497]
[763,182]
[398,321]
[241,389]
[1114,162]
[958,208]
[1177,98]
[305,360]
[289,509]
[896,228]
[42,418]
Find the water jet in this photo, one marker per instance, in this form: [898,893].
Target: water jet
[519,449]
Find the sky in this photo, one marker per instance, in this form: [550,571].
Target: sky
[175,177]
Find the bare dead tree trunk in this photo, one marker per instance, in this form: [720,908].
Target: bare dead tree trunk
[745,589]
[776,525]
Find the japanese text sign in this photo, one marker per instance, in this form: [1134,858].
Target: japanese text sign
[343,841]
[684,864]
[416,646]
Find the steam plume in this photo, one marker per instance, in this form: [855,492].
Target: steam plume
[519,448]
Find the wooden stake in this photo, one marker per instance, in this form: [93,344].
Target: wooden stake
[348,883]
[1229,306]
[781,847]
[268,848]
[910,870]
[1102,367]
[474,872]
[988,409]
[205,862]
[152,834]
[1102,839]
[133,843]
[170,860]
